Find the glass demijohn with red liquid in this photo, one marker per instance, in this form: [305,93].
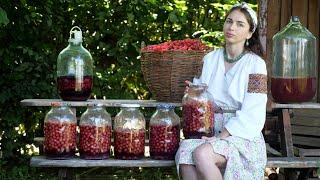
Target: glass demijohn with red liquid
[197,112]
[95,133]
[294,68]
[129,133]
[60,133]
[164,132]
[74,69]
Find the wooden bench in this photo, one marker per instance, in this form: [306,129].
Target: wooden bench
[283,162]
[66,166]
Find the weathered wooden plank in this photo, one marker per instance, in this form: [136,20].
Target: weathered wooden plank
[273,24]
[306,130]
[142,103]
[313,26]
[262,5]
[107,103]
[307,141]
[285,133]
[306,113]
[41,161]
[309,121]
[309,152]
[307,105]
[318,27]
[293,162]
[66,173]
[286,10]
[300,9]
[313,17]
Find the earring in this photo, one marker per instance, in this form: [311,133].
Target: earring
[247,42]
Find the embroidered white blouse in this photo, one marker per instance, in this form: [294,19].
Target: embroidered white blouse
[243,87]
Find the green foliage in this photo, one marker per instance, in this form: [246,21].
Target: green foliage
[3,18]
[32,33]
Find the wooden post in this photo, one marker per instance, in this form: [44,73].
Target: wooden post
[262,18]
[285,134]
[66,174]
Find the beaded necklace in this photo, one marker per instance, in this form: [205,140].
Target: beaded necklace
[230,60]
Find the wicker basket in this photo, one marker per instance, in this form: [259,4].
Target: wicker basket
[165,73]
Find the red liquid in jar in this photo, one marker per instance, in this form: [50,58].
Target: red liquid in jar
[95,142]
[67,88]
[129,144]
[60,140]
[198,120]
[164,141]
[286,90]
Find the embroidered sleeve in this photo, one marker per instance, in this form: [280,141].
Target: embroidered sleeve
[257,83]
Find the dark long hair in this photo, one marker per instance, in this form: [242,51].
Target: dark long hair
[254,42]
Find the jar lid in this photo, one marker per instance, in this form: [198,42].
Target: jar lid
[198,85]
[75,35]
[165,106]
[60,104]
[130,105]
[95,105]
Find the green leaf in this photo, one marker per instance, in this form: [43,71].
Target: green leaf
[3,17]
[173,17]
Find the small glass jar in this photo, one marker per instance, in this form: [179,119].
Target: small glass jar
[197,112]
[294,66]
[60,133]
[164,133]
[129,133]
[95,133]
[75,69]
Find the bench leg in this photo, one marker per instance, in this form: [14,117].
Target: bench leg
[66,174]
[288,174]
[304,173]
[285,133]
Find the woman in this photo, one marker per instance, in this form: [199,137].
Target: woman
[237,79]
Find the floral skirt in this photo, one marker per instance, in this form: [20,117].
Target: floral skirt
[245,159]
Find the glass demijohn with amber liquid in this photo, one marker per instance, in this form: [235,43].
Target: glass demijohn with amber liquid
[294,68]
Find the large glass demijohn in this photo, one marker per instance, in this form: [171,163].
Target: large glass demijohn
[294,68]
[74,69]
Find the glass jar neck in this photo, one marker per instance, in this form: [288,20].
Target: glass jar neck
[95,108]
[129,109]
[294,19]
[164,110]
[60,107]
[197,90]
[73,44]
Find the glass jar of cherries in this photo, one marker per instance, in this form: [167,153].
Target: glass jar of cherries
[60,133]
[164,131]
[129,133]
[197,112]
[95,133]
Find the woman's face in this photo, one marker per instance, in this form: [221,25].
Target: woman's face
[236,28]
